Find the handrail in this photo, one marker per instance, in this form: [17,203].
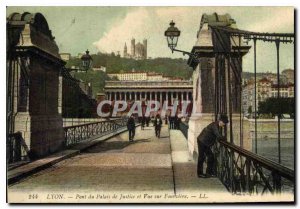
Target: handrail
[269,164]
[78,133]
[242,171]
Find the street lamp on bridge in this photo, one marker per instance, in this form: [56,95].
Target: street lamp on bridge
[86,64]
[86,60]
[172,34]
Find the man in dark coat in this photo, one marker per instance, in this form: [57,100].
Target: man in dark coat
[131,128]
[143,121]
[205,141]
[157,125]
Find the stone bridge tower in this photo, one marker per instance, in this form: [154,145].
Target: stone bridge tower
[33,67]
[204,76]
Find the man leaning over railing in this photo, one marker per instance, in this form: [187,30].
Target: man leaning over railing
[206,140]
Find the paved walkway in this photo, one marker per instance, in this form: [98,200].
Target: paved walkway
[185,169]
[150,169]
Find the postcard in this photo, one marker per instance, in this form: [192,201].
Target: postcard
[165,104]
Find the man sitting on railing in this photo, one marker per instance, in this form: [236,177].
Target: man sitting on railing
[205,141]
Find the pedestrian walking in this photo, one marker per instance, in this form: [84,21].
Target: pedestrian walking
[143,121]
[147,121]
[171,122]
[176,122]
[131,128]
[205,141]
[157,125]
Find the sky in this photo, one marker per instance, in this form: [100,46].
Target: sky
[106,29]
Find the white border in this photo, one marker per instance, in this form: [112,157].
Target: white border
[5,3]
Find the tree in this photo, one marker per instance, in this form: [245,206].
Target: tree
[167,66]
[277,106]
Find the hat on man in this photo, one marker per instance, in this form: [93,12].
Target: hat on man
[223,118]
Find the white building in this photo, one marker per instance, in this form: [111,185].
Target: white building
[101,68]
[65,56]
[142,76]
[129,76]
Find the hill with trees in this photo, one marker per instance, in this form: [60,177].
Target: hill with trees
[117,64]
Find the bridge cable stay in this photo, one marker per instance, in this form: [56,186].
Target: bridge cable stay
[255,98]
[277,42]
[228,54]
[238,70]
[266,37]
[223,47]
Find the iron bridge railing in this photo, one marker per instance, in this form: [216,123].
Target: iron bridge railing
[242,171]
[79,133]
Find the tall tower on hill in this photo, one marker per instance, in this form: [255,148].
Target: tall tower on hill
[145,48]
[125,51]
[132,47]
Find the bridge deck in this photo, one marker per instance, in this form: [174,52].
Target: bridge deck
[154,166]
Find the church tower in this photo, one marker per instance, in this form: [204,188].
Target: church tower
[132,47]
[125,51]
[145,48]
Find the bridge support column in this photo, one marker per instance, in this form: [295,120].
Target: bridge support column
[211,96]
[35,104]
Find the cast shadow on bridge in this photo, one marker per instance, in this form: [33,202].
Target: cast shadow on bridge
[114,145]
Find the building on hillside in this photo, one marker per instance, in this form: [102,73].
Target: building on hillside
[142,76]
[285,90]
[154,76]
[65,56]
[286,76]
[137,51]
[99,68]
[129,76]
[265,88]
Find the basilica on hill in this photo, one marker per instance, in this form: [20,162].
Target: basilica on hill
[138,51]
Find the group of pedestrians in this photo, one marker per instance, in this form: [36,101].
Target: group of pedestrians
[174,122]
[206,139]
[144,120]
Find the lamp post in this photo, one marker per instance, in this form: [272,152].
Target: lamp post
[172,34]
[86,64]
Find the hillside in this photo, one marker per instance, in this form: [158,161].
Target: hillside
[117,64]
